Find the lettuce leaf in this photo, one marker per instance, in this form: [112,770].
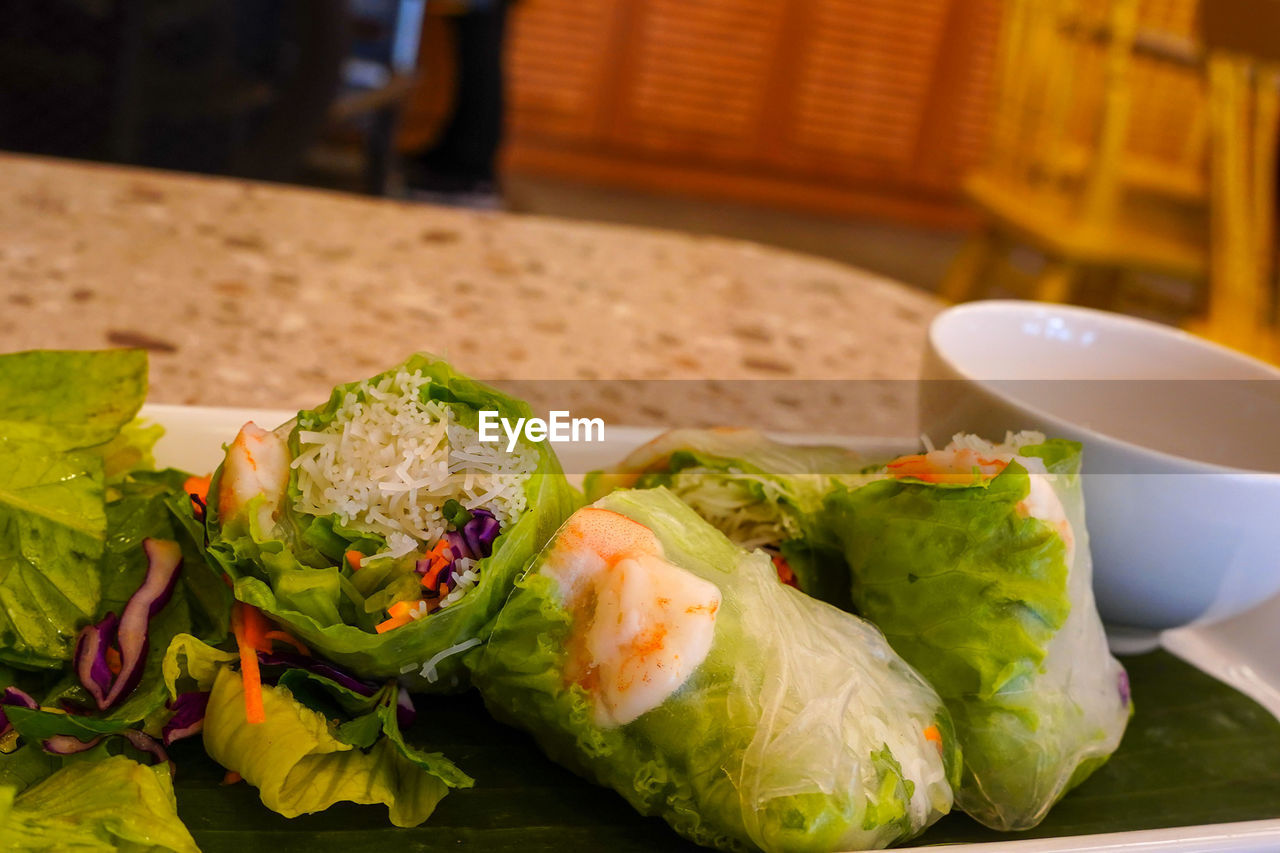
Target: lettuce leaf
[995,609]
[1003,578]
[131,450]
[295,574]
[777,740]
[299,759]
[70,399]
[58,412]
[151,504]
[52,531]
[154,504]
[299,766]
[114,804]
[74,509]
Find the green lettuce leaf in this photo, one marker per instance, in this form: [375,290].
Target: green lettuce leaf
[61,421]
[70,399]
[994,607]
[151,505]
[131,450]
[192,665]
[52,527]
[305,757]
[913,547]
[774,741]
[154,505]
[299,764]
[296,575]
[114,804]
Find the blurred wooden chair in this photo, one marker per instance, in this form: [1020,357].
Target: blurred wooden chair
[1121,144]
[1098,148]
[1243,67]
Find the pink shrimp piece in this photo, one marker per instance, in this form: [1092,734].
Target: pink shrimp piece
[641,625]
[949,466]
[257,464]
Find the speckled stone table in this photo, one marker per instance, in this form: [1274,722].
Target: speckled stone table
[260,295]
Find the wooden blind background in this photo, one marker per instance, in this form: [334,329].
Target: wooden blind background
[871,107]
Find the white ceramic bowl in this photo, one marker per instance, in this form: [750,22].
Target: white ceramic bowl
[1181,437]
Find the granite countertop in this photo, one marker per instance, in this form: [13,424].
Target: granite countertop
[251,294]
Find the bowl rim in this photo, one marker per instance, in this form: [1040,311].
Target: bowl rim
[1020,306]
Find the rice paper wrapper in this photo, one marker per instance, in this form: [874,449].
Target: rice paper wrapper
[800,730]
[293,569]
[994,606]
[757,491]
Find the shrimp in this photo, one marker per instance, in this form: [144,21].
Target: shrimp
[641,625]
[1043,503]
[257,465]
[954,466]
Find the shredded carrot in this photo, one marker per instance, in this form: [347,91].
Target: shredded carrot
[968,470]
[113,661]
[932,734]
[249,675]
[785,573]
[288,639]
[231,778]
[197,487]
[256,628]
[393,622]
[431,580]
[400,608]
[353,560]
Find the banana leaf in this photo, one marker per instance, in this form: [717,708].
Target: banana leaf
[1195,752]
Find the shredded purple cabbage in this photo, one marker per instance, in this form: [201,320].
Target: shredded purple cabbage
[474,541]
[406,713]
[91,657]
[458,545]
[128,633]
[13,696]
[70,745]
[325,670]
[1122,685]
[188,717]
[144,742]
[480,533]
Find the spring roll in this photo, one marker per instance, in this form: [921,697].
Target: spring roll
[647,652]
[379,529]
[974,561]
[758,492]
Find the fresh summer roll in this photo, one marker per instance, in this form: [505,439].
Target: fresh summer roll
[647,652]
[378,528]
[974,561]
[758,492]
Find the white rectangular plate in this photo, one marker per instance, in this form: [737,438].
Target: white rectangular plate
[1235,651]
